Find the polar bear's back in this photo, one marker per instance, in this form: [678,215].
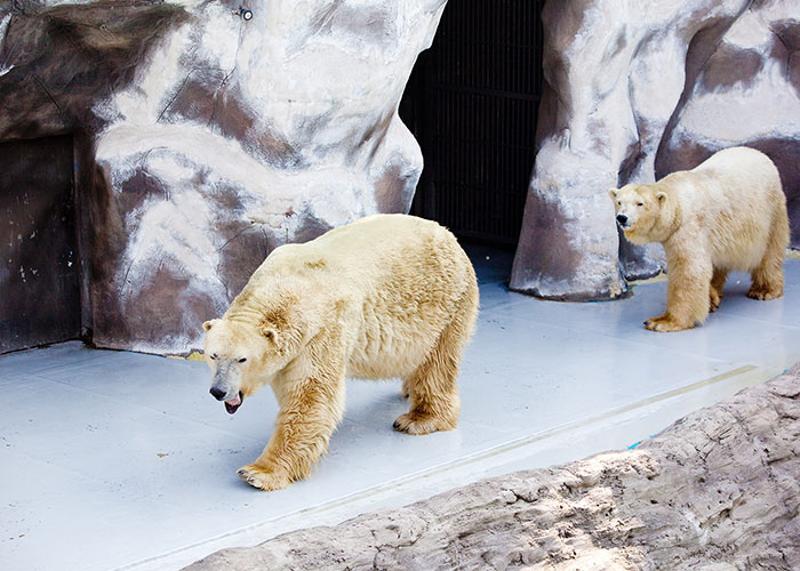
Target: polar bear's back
[375,238]
[350,248]
[410,277]
[744,170]
[401,279]
[737,199]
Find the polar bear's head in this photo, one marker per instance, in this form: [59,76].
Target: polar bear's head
[243,355]
[638,210]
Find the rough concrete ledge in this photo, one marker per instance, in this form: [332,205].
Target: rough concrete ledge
[718,490]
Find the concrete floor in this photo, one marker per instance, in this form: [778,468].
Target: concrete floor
[119,460]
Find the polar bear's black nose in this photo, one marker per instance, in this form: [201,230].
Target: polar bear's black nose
[622,219]
[217,393]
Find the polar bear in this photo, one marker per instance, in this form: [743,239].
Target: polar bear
[389,296]
[728,214]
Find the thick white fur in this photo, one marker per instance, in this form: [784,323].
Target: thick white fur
[388,296]
[727,214]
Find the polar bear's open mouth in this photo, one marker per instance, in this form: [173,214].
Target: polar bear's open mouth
[232,405]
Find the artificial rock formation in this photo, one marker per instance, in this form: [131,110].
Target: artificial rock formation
[205,137]
[719,490]
[634,91]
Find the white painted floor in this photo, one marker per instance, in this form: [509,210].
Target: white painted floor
[112,460]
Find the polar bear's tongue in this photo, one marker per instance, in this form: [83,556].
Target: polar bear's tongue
[232,405]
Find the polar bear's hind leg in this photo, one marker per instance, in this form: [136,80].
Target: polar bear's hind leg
[768,276]
[432,386]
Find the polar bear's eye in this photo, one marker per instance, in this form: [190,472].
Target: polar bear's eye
[243,359]
[619,203]
[640,204]
[214,356]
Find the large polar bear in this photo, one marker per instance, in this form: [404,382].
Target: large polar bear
[728,214]
[388,296]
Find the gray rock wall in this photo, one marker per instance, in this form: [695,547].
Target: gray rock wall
[748,92]
[206,140]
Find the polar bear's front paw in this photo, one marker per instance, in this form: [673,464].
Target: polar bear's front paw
[416,423]
[664,325]
[764,293]
[263,479]
[653,321]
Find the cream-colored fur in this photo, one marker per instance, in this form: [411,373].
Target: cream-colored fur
[386,297]
[728,214]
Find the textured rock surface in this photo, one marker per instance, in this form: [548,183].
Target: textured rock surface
[206,140]
[718,490]
[635,91]
[748,92]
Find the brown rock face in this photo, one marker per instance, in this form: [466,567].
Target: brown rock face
[634,92]
[720,489]
[203,140]
[748,92]
[55,63]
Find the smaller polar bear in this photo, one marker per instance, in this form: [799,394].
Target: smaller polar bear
[728,214]
[388,296]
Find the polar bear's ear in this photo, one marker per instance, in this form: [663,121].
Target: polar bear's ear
[613,193]
[661,197]
[269,332]
[209,324]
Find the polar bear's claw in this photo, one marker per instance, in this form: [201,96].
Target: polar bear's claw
[764,294]
[418,424]
[665,325]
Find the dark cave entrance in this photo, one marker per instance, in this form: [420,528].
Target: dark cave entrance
[472,103]
[40,283]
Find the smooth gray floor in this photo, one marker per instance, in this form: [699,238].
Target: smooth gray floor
[110,459]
